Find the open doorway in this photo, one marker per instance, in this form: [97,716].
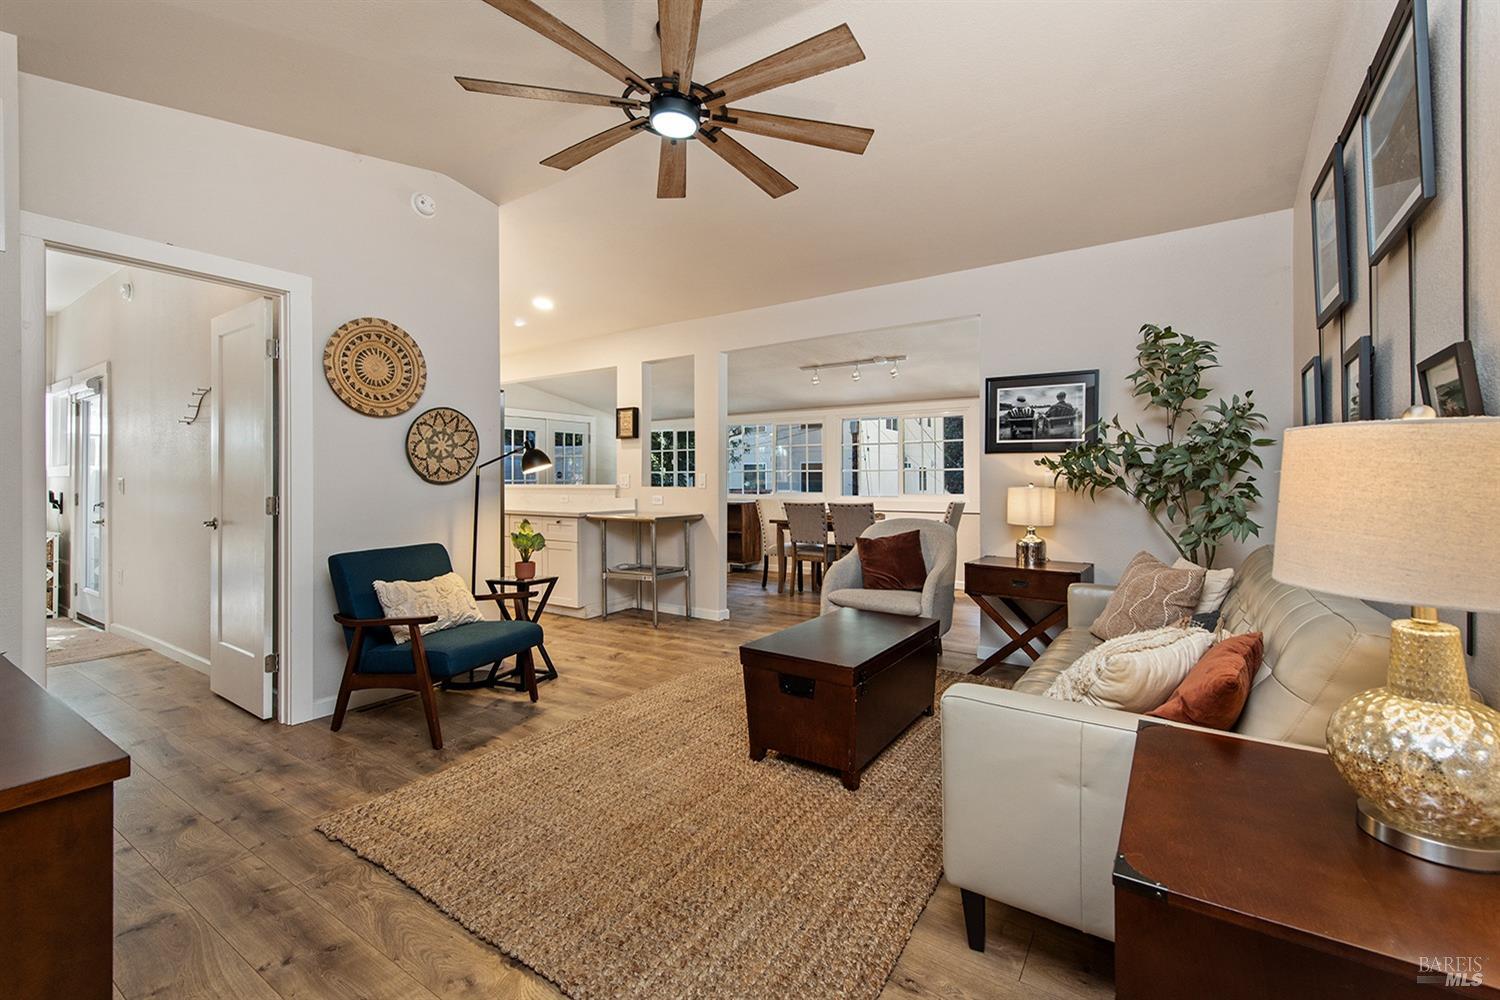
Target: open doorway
[161,444]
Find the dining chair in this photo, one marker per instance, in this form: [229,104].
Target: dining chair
[767,509]
[955,511]
[849,519]
[808,526]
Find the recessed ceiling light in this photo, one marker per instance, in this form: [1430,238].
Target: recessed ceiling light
[543,303]
[520,321]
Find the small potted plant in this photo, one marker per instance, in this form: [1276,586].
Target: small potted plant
[527,540]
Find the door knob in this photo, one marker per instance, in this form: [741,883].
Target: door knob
[212,522]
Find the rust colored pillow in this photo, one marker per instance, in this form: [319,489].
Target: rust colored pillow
[893,562]
[1214,692]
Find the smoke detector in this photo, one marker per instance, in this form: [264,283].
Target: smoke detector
[424,205]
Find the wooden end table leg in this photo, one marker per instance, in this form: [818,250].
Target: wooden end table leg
[850,780]
[757,752]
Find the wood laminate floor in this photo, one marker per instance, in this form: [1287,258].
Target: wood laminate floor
[224,890]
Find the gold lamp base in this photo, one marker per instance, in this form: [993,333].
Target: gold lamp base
[1423,756]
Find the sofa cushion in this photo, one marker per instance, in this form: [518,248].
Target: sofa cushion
[446,596]
[892,562]
[1134,672]
[1150,595]
[893,602]
[1070,644]
[1214,692]
[456,650]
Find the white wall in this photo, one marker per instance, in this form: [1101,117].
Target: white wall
[343,220]
[1229,282]
[159,347]
[14,581]
[1438,234]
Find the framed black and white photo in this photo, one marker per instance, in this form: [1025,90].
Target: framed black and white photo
[1450,382]
[1313,411]
[1358,401]
[1330,237]
[1050,412]
[1399,174]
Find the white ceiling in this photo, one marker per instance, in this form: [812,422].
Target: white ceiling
[1004,129]
[69,276]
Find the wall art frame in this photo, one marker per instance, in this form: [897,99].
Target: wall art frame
[1396,128]
[1051,411]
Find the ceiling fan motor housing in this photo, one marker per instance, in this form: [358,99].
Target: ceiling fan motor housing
[675,115]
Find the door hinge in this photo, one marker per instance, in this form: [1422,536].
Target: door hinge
[273,506]
[273,661]
[273,348]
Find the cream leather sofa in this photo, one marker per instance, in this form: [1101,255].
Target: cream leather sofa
[1034,788]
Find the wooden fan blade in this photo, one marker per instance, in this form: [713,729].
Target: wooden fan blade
[543,23]
[545,93]
[671,174]
[679,38]
[846,138]
[759,171]
[833,48]
[580,151]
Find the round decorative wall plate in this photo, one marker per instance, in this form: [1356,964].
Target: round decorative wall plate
[375,367]
[442,445]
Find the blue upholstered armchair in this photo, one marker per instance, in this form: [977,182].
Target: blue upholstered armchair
[376,660]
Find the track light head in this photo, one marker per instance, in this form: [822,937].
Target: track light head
[817,378]
[855,376]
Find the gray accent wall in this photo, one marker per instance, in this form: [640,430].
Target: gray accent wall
[1438,235]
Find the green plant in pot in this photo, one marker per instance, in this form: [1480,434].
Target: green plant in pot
[1196,483]
[527,541]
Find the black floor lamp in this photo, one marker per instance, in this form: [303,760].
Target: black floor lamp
[533,459]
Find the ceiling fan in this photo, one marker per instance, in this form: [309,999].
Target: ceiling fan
[676,108]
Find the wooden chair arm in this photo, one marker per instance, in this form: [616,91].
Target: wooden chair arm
[388,622]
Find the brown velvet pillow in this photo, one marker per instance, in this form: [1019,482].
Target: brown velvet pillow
[1150,595]
[893,562]
[1214,692]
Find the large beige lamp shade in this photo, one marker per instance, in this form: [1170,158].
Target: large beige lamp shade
[1035,507]
[1406,512]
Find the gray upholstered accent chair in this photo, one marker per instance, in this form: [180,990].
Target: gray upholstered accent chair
[843,585]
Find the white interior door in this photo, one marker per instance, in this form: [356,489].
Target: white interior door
[89,557]
[243,469]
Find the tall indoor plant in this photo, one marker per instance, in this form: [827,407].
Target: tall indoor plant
[1195,484]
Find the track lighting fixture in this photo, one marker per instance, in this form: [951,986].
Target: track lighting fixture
[856,364]
[817,378]
[855,376]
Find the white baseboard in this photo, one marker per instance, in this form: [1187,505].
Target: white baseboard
[166,649]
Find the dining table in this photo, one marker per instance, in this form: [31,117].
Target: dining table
[781,530]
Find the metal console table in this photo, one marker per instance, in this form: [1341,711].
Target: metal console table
[643,572]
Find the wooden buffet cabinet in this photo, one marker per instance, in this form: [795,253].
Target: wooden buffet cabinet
[57,776]
[744,534]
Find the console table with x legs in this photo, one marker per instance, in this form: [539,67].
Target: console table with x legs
[996,582]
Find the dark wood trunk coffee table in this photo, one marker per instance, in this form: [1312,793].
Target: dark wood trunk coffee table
[839,689]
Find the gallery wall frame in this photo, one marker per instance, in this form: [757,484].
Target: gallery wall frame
[1449,381]
[1357,399]
[1313,409]
[1396,129]
[1330,225]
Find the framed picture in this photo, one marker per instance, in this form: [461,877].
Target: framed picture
[1050,412]
[1450,382]
[1313,411]
[1358,400]
[1330,237]
[1400,178]
[627,422]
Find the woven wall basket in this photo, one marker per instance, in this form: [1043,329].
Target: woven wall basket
[375,367]
[442,445]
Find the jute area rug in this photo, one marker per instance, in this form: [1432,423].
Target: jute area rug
[70,642]
[640,853]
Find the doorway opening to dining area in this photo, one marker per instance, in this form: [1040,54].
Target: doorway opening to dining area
[829,436]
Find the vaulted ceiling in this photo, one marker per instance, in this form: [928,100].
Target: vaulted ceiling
[1003,129]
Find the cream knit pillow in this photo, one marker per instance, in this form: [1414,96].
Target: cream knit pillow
[446,596]
[1216,584]
[1135,672]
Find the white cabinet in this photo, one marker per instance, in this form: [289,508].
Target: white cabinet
[571,555]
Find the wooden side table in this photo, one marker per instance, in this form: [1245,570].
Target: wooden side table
[1241,875]
[1000,580]
[524,612]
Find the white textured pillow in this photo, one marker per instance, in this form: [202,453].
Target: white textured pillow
[1135,672]
[446,596]
[1216,584]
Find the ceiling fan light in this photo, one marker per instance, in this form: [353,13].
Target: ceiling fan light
[674,116]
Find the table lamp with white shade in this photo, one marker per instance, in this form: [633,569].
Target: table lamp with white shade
[1035,507]
[1406,512]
